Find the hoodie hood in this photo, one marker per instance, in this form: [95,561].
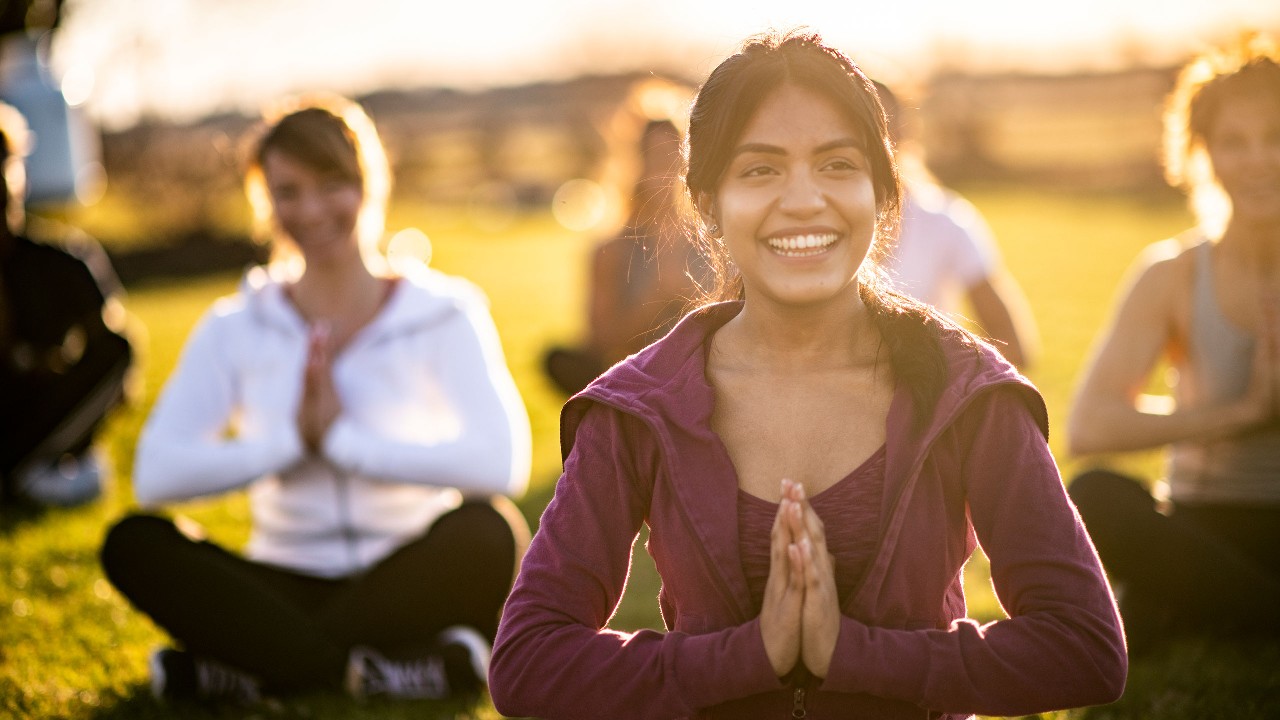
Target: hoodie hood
[422,297]
[665,385]
[655,383]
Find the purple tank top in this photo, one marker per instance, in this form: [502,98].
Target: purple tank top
[850,511]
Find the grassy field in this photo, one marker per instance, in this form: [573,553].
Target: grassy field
[70,647]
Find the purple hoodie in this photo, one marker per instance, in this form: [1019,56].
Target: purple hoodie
[639,448]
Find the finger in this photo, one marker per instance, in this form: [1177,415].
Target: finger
[815,528]
[824,560]
[314,352]
[321,333]
[814,577]
[777,583]
[819,580]
[795,521]
[796,578]
[780,535]
[797,492]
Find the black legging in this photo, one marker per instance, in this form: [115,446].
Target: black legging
[294,631]
[1208,570]
[46,416]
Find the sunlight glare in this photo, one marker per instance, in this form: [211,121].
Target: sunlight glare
[580,204]
[77,84]
[409,245]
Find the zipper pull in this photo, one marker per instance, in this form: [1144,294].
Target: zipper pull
[797,704]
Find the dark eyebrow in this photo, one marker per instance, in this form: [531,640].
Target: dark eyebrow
[775,150]
[758,148]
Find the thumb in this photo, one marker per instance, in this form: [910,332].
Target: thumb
[318,343]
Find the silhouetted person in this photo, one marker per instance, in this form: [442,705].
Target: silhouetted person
[62,368]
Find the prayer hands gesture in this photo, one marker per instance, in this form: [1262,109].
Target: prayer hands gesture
[800,617]
[320,405]
[1262,398]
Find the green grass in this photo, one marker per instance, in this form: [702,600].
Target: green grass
[70,646]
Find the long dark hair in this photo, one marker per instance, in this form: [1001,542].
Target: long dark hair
[725,104]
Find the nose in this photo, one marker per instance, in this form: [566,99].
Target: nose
[310,206]
[801,195]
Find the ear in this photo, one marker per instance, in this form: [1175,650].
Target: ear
[707,209]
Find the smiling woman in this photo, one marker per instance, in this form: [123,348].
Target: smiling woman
[1208,302]
[815,457]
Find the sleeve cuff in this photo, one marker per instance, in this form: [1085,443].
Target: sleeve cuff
[870,660]
[342,444]
[285,449]
[708,680]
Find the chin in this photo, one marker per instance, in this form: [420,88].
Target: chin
[813,296]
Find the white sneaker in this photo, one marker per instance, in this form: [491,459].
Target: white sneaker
[372,674]
[179,675]
[471,676]
[69,481]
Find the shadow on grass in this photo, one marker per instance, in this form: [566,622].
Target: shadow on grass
[14,516]
[1203,680]
[140,705]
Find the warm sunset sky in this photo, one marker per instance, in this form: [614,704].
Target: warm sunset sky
[186,57]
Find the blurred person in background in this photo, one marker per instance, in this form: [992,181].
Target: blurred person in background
[1205,558]
[640,280]
[945,251]
[370,415]
[64,358]
[816,458]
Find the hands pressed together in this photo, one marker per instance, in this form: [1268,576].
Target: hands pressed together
[320,405]
[1262,398]
[800,617]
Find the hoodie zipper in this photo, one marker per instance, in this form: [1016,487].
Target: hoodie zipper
[797,704]
[341,485]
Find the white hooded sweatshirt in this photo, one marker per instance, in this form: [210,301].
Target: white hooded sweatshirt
[430,413]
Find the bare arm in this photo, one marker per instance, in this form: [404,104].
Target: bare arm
[619,317]
[1004,313]
[1111,413]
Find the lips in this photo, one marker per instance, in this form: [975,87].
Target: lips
[802,245]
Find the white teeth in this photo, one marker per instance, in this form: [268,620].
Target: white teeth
[801,245]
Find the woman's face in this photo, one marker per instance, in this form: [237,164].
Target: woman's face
[317,211]
[796,206]
[1244,147]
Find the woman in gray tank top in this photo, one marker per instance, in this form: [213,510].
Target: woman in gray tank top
[1207,562]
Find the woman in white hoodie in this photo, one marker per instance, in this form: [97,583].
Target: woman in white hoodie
[370,416]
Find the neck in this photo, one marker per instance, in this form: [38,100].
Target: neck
[833,334]
[1256,243]
[336,291]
